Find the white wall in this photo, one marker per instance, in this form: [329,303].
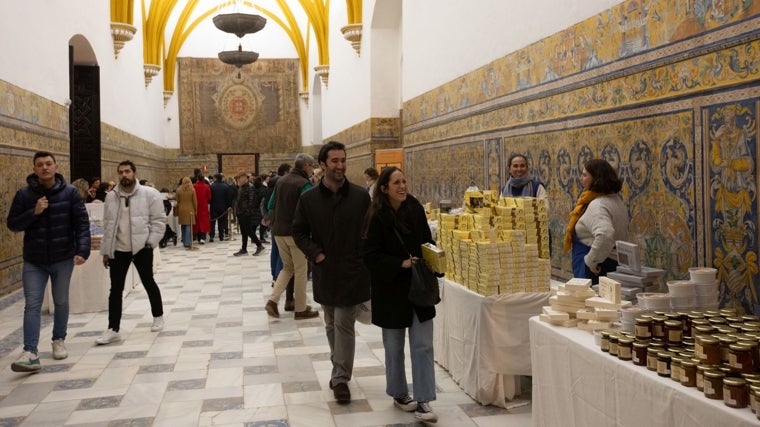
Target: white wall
[444,39]
[346,99]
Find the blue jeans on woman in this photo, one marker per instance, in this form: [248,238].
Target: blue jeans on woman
[423,368]
[35,277]
[187,235]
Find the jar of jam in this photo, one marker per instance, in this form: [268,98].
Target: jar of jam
[701,369]
[725,342]
[718,321]
[673,332]
[625,348]
[707,350]
[605,341]
[688,342]
[735,394]
[643,328]
[754,350]
[675,367]
[658,326]
[640,353]
[740,358]
[754,398]
[702,329]
[688,373]
[652,357]
[613,351]
[663,363]
[713,384]
[689,324]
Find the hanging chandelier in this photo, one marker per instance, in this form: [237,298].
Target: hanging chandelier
[239,24]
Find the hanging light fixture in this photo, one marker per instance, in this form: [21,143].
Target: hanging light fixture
[238,57]
[239,24]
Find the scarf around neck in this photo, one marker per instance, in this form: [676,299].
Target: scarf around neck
[580,207]
[524,185]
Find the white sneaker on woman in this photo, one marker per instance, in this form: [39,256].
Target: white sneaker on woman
[425,413]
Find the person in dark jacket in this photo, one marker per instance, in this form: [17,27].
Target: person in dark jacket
[221,203]
[282,205]
[327,227]
[245,210]
[275,260]
[56,230]
[395,216]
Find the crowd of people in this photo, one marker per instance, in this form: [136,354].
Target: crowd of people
[357,242]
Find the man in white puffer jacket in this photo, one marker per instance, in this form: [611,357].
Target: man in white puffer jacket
[135,221]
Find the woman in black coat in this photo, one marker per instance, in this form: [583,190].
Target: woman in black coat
[389,261]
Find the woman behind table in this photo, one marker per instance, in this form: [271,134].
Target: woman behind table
[599,219]
[389,262]
[521,181]
[187,206]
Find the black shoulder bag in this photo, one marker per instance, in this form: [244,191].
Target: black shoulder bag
[424,290]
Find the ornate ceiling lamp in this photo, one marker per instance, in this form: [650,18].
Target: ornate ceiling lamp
[239,24]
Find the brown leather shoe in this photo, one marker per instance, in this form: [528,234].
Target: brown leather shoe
[341,392]
[306,314]
[290,305]
[271,309]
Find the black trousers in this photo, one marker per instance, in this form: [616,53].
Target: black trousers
[246,230]
[119,266]
[222,221]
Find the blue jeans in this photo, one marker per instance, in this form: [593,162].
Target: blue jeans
[35,277]
[423,369]
[187,235]
[275,261]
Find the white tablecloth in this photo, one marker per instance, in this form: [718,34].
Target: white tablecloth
[576,384]
[90,285]
[483,341]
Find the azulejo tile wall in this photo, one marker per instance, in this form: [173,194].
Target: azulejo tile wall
[666,91]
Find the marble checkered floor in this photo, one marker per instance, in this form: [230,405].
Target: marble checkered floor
[219,361]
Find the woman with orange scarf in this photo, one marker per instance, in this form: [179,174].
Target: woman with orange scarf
[599,219]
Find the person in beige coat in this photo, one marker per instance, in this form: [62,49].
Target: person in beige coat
[187,206]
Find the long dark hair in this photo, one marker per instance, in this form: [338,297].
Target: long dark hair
[380,201]
[604,179]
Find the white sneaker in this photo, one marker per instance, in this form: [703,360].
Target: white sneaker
[425,413]
[158,324]
[108,337]
[59,350]
[28,362]
[406,403]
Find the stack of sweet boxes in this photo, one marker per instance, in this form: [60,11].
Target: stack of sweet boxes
[496,247]
[576,304]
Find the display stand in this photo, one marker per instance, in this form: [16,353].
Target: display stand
[483,341]
[576,384]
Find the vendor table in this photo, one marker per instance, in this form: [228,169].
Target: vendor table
[576,384]
[483,341]
[90,285]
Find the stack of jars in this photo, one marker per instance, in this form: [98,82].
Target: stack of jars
[715,351]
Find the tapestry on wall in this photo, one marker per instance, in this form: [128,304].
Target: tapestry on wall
[223,109]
